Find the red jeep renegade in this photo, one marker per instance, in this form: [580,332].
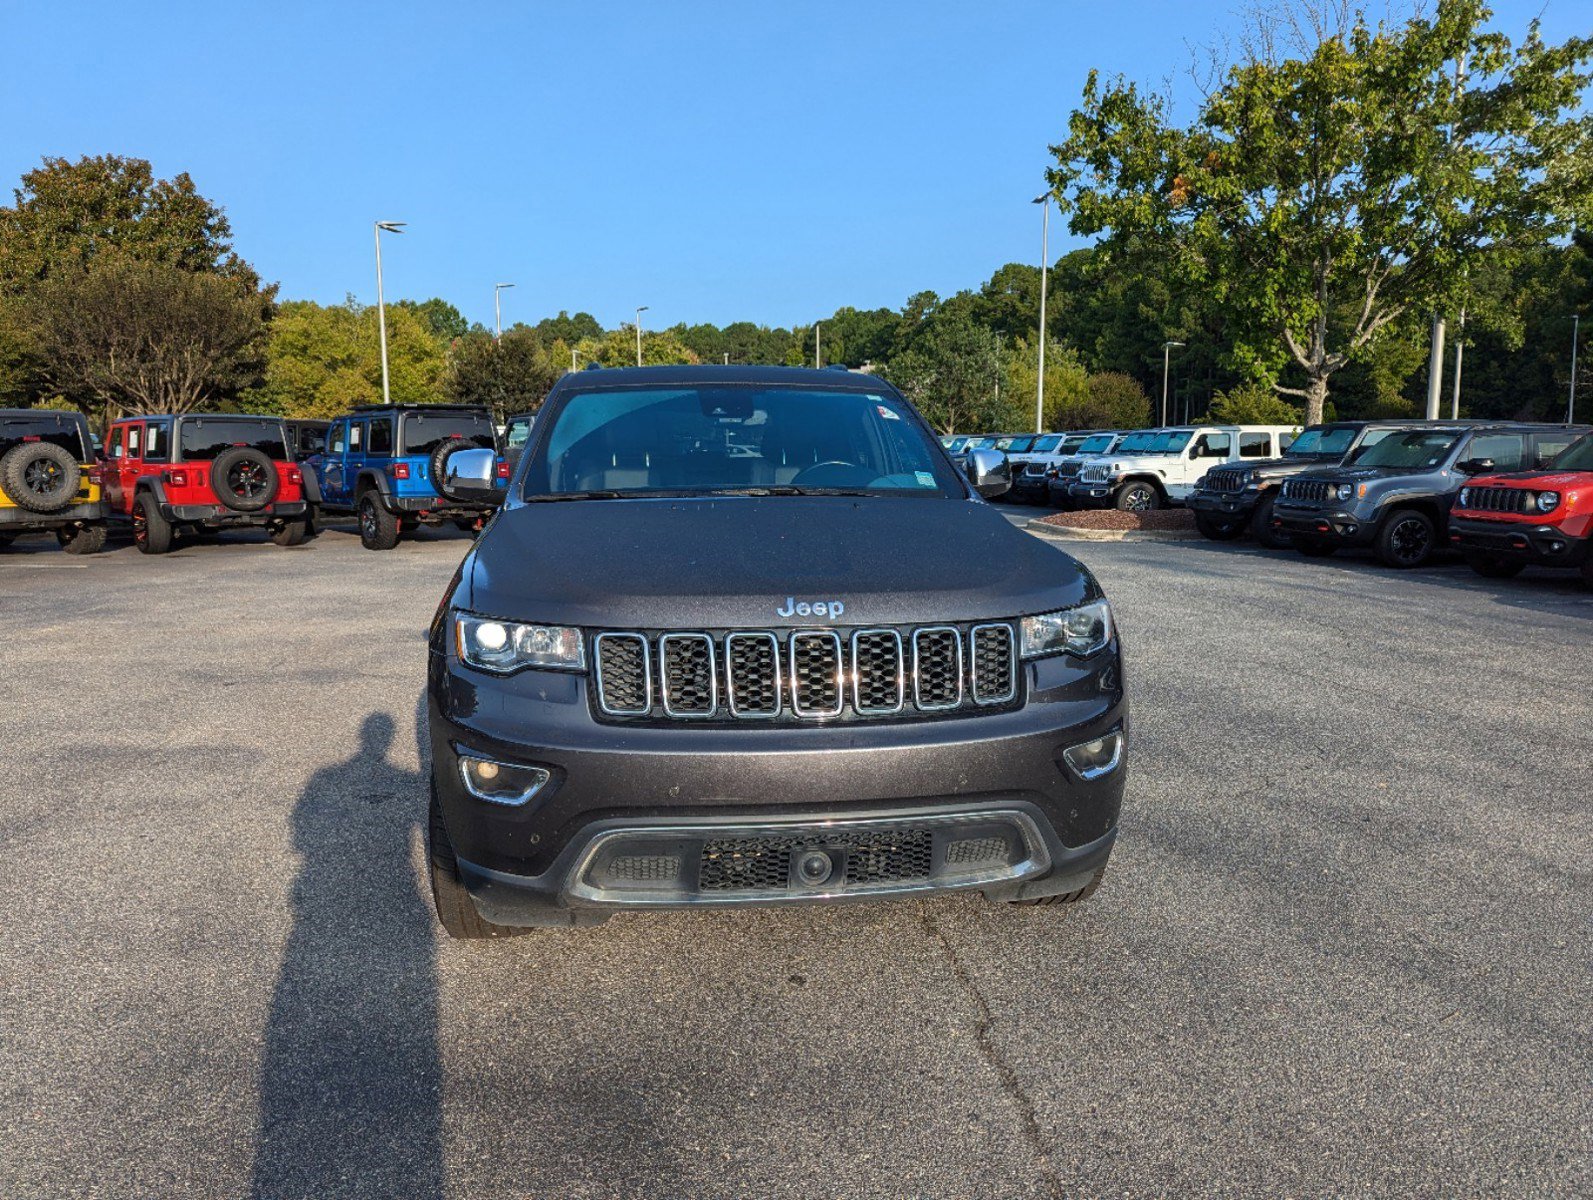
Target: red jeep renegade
[170,475]
[1502,523]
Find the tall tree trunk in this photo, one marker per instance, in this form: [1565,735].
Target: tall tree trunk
[1316,390]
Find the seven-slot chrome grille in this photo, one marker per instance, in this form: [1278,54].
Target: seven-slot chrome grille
[805,674]
[1068,470]
[1312,491]
[1496,499]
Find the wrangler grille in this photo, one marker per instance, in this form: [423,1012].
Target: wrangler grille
[1093,474]
[1225,481]
[1067,470]
[805,675]
[1496,499]
[1312,491]
[1034,468]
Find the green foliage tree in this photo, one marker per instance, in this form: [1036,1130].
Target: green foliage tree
[1252,403]
[443,320]
[951,370]
[120,334]
[322,360]
[512,374]
[1067,387]
[617,348]
[1321,198]
[1116,401]
[583,326]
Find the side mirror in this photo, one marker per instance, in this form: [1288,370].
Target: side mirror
[1475,466]
[989,472]
[472,474]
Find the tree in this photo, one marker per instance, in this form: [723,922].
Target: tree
[1116,401]
[618,349]
[323,360]
[949,369]
[443,320]
[1067,388]
[1252,403]
[1321,198]
[567,329]
[512,374]
[125,335]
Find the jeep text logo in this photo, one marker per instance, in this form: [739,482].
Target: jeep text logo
[817,608]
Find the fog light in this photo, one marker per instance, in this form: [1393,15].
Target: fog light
[1094,759]
[501,783]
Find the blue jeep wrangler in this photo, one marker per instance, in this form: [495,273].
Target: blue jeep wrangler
[386,465]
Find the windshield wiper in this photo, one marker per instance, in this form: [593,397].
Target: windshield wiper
[788,489]
[591,495]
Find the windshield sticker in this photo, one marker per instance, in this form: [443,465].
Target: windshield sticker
[887,413]
[925,479]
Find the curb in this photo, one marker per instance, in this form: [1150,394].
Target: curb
[1068,534]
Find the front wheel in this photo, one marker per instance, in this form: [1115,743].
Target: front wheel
[456,911]
[1406,539]
[152,532]
[1261,526]
[1218,529]
[81,539]
[1493,566]
[1137,497]
[378,527]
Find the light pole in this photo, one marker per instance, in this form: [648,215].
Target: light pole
[639,311]
[497,307]
[1460,350]
[818,359]
[1044,201]
[1166,353]
[381,304]
[1570,402]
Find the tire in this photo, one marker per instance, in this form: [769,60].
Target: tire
[292,533]
[1493,566]
[244,479]
[1137,496]
[1261,525]
[439,465]
[1406,539]
[40,476]
[1065,898]
[152,532]
[467,525]
[378,527]
[456,911]
[1313,547]
[1218,529]
[81,539]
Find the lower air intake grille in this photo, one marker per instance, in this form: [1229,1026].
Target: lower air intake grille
[763,864]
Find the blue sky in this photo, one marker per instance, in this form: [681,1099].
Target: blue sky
[715,161]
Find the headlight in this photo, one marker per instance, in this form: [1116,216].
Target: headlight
[1081,631]
[1465,497]
[1548,501]
[1345,491]
[503,646]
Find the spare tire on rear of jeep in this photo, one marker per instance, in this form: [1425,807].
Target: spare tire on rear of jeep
[445,450]
[244,479]
[40,476]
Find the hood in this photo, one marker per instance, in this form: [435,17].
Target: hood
[1548,481]
[734,562]
[1361,474]
[1275,468]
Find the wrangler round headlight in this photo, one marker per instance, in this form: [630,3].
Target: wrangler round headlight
[1465,497]
[1345,491]
[504,646]
[1548,501]
[1079,631]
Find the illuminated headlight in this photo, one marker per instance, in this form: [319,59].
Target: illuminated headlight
[501,783]
[503,646]
[1344,491]
[1548,501]
[1080,631]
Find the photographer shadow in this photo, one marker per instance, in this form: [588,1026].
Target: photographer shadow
[350,1081]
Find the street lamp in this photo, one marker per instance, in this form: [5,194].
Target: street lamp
[639,311]
[381,304]
[818,359]
[1166,349]
[1045,265]
[497,307]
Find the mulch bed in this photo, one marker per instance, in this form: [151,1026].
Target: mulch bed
[1111,518]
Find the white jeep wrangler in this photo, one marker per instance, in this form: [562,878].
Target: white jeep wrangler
[1165,470]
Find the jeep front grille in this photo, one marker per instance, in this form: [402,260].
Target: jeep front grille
[805,675]
[1067,470]
[1225,481]
[1092,474]
[1496,499]
[1311,491]
[1034,468]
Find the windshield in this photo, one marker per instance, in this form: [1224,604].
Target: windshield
[1410,448]
[1327,441]
[424,432]
[1099,444]
[202,439]
[1156,442]
[1578,456]
[705,439]
[1046,444]
[517,433]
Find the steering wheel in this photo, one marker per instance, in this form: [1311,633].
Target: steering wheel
[833,473]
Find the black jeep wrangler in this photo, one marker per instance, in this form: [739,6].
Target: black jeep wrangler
[1396,496]
[711,651]
[1238,497]
[49,480]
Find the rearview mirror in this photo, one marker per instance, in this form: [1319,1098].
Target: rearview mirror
[1475,466]
[472,474]
[989,472]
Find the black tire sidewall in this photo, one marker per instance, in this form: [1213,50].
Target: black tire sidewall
[1385,538]
[157,529]
[226,461]
[15,463]
[1120,501]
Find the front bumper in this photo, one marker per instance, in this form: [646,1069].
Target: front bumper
[1240,506]
[1338,525]
[14,518]
[660,792]
[1546,545]
[1094,494]
[1029,487]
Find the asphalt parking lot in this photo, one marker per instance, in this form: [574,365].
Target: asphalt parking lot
[1344,946]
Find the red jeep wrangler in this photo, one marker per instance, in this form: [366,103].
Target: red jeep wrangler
[170,475]
[1502,523]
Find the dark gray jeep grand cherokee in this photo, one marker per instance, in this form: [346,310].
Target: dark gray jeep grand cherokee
[746,635]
